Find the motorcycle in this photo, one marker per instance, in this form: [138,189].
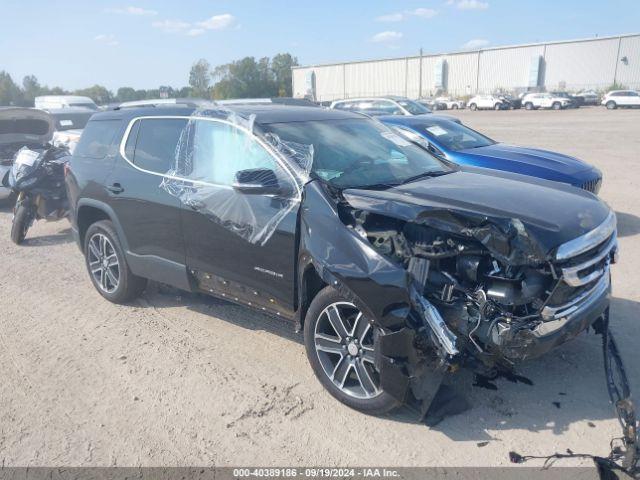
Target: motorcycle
[37,179]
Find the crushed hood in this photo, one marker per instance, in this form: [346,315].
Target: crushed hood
[518,219]
[529,157]
[25,125]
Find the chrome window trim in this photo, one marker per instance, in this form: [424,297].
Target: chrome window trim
[285,166]
[588,240]
[578,303]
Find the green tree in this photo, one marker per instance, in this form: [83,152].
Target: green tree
[200,79]
[126,94]
[10,93]
[281,65]
[97,93]
[30,89]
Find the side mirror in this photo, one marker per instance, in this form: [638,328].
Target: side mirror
[257,181]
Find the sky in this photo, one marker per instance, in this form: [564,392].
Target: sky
[148,43]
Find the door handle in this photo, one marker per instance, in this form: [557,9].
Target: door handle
[115,188]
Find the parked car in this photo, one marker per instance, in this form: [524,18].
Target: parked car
[432,104]
[588,97]
[390,105]
[450,103]
[69,123]
[487,102]
[513,103]
[621,98]
[398,266]
[533,101]
[47,102]
[574,102]
[460,144]
[21,127]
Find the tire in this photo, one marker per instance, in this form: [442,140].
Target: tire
[454,107]
[528,106]
[496,106]
[318,328]
[556,106]
[611,105]
[22,220]
[473,107]
[107,265]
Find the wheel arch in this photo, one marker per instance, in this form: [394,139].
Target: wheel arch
[90,211]
[310,284]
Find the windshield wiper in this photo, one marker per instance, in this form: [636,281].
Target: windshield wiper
[424,175]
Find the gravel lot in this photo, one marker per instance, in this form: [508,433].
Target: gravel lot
[177,379]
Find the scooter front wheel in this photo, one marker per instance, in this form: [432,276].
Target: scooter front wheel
[22,220]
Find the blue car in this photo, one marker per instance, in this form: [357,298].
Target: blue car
[453,141]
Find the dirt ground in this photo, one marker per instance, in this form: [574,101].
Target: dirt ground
[178,379]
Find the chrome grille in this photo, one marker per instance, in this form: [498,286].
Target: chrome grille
[592,186]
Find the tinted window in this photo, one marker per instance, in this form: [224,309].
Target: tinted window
[25,126]
[71,121]
[414,108]
[455,136]
[156,142]
[358,152]
[220,151]
[97,139]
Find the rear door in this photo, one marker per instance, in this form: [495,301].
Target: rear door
[239,244]
[150,215]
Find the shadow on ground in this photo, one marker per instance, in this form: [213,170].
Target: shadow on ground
[568,383]
[628,224]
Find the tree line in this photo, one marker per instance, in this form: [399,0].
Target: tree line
[244,78]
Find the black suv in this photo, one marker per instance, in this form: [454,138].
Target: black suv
[398,266]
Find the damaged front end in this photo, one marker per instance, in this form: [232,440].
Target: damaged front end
[451,287]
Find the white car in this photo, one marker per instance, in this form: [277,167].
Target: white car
[389,105]
[621,98]
[48,102]
[451,103]
[482,102]
[534,101]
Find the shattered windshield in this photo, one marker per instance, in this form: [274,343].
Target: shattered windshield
[356,153]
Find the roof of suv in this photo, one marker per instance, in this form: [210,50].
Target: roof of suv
[265,114]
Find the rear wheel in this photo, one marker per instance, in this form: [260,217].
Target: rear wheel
[473,106]
[528,106]
[497,106]
[22,220]
[556,106]
[107,265]
[611,105]
[454,106]
[339,341]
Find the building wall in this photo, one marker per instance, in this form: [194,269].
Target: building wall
[593,63]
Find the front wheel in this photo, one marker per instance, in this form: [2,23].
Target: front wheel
[528,106]
[556,106]
[22,220]
[454,107]
[473,107]
[107,265]
[340,346]
[497,106]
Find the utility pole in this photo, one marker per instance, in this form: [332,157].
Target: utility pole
[420,80]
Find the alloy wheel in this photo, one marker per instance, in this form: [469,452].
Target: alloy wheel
[343,340]
[103,263]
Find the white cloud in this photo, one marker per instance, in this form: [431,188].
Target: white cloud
[386,37]
[400,16]
[130,10]
[171,26]
[108,40]
[218,22]
[392,17]
[471,5]
[424,12]
[475,44]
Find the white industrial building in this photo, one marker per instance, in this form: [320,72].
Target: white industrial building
[594,63]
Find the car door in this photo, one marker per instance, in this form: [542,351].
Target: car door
[240,238]
[633,98]
[149,215]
